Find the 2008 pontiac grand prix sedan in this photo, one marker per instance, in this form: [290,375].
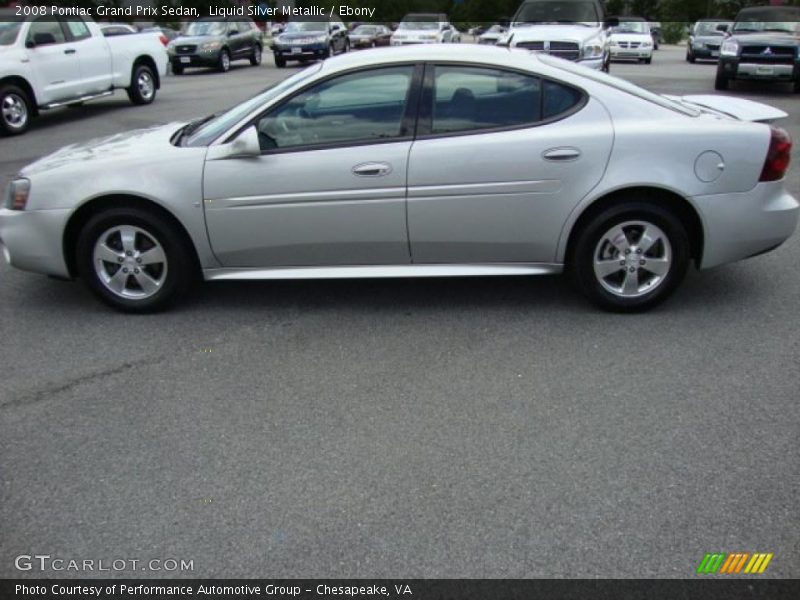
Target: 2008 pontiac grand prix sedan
[413,162]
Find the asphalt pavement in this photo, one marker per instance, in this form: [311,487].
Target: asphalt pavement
[434,428]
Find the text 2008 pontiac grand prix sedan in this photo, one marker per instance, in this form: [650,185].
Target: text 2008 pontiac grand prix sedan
[415,162]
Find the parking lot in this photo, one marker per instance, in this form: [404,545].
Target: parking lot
[436,428]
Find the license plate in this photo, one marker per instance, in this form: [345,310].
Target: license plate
[297,50]
[765,71]
[715,55]
[186,59]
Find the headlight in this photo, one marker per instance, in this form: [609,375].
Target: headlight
[646,44]
[210,46]
[17,194]
[593,51]
[321,39]
[730,48]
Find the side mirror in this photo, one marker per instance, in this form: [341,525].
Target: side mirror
[246,145]
[611,22]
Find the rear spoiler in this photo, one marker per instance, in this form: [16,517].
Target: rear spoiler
[736,108]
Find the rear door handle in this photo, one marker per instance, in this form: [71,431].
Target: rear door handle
[562,154]
[372,169]
[70,51]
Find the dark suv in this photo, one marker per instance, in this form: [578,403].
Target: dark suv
[216,43]
[310,40]
[763,45]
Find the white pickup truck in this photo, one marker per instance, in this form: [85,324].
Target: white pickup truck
[47,62]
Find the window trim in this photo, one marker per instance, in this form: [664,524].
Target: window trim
[425,122]
[408,123]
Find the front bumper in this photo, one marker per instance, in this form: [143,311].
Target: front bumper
[739,226]
[33,240]
[735,68]
[303,51]
[198,59]
[632,53]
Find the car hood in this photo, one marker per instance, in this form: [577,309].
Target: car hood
[121,148]
[300,35]
[554,33]
[782,39]
[709,39]
[738,108]
[416,32]
[195,40]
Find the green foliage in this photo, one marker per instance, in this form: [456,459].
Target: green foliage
[673,32]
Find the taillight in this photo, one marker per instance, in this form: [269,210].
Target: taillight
[164,40]
[778,156]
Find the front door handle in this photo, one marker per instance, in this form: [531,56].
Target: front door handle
[372,169]
[562,154]
[70,51]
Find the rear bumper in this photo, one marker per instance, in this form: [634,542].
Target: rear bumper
[739,226]
[33,240]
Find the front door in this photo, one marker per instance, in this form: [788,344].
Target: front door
[502,159]
[53,61]
[330,185]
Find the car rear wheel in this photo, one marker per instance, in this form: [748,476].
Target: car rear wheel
[224,61]
[143,85]
[133,260]
[16,110]
[255,58]
[630,257]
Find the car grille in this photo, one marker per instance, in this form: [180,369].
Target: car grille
[186,49]
[713,47]
[630,44]
[772,55]
[567,50]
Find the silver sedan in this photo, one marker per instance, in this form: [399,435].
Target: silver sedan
[415,162]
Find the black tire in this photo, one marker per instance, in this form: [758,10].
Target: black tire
[691,58]
[607,65]
[177,69]
[224,61]
[346,47]
[331,51]
[797,86]
[17,122]
[179,271]
[280,62]
[255,57]
[588,241]
[143,85]
[648,61]
[721,83]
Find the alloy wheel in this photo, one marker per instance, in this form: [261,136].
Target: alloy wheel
[130,262]
[15,111]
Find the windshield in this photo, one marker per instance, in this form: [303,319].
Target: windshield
[215,127]
[203,28]
[365,30]
[300,26]
[708,28]
[8,32]
[759,26]
[619,84]
[631,27]
[423,25]
[557,11]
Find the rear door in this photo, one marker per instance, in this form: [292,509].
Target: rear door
[330,186]
[501,160]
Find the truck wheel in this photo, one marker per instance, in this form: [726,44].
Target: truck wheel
[143,85]
[134,260]
[630,257]
[255,58]
[224,61]
[17,110]
[721,83]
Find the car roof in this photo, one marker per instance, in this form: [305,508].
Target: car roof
[469,53]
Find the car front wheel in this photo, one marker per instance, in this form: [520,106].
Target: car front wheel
[224,61]
[255,58]
[16,110]
[133,260]
[630,257]
[721,83]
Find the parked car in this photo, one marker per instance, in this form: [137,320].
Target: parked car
[705,39]
[492,35]
[764,45]
[574,30]
[112,29]
[46,63]
[513,164]
[477,31]
[631,39]
[370,36]
[216,42]
[424,28]
[310,40]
